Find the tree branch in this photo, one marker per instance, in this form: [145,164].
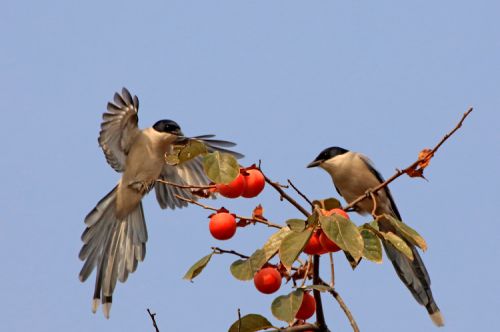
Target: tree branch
[344,307]
[301,193]
[409,168]
[239,320]
[154,320]
[320,317]
[218,250]
[285,195]
[257,220]
[184,186]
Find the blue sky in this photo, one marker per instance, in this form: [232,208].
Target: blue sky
[283,79]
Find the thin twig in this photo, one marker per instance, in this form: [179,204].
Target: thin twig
[300,193]
[218,250]
[184,186]
[344,307]
[239,320]
[309,263]
[286,196]
[374,200]
[257,220]
[154,320]
[332,269]
[346,310]
[412,166]
[453,131]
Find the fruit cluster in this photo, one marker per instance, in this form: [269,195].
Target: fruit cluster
[249,183]
[268,280]
[319,243]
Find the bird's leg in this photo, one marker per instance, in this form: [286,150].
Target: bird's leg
[142,187]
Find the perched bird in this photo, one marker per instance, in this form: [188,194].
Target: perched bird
[115,235]
[353,175]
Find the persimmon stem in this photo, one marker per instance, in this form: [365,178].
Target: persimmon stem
[332,270]
[309,263]
[374,200]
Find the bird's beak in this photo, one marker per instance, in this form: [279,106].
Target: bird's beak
[315,163]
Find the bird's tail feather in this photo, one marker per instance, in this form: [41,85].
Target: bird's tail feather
[415,277]
[112,246]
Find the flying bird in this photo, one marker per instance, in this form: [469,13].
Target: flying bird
[114,241]
[353,175]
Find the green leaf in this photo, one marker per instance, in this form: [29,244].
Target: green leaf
[331,203]
[245,269]
[292,246]
[327,204]
[399,244]
[344,233]
[172,159]
[372,247]
[321,288]
[353,262]
[192,149]
[273,244]
[221,167]
[285,307]
[312,220]
[296,225]
[374,225]
[250,323]
[407,232]
[196,269]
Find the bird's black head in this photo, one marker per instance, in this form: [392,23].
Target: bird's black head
[167,126]
[327,154]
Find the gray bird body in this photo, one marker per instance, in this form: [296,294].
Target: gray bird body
[114,241]
[348,172]
[143,167]
[353,175]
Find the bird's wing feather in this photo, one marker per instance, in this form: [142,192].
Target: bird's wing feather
[379,177]
[187,173]
[119,128]
[111,246]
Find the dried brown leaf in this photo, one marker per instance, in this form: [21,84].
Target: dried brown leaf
[258,213]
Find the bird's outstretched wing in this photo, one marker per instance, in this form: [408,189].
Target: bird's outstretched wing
[118,128]
[188,173]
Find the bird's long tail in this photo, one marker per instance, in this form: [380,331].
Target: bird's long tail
[112,246]
[414,275]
